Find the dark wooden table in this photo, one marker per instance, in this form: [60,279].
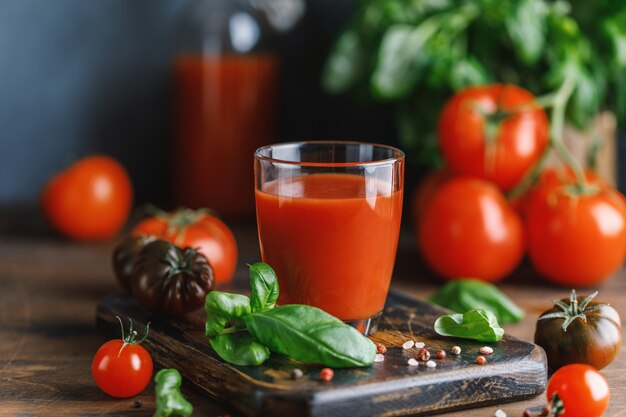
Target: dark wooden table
[48,294]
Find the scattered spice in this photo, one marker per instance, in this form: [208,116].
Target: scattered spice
[412,362]
[500,413]
[526,413]
[381,349]
[440,354]
[297,373]
[408,344]
[379,357]
[327,374]
[545,411]
[481,360]
[423,355]
[456,350]
[420,345]
[486,350]
[431,364]
[137,404]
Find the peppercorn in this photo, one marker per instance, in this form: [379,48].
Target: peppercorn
[481,360]
[327,374]
[380,348]
[526,413]
[440,353]
[423,354]
[297,373]
[456,350]
[486,350]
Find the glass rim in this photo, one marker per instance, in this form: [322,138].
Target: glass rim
[399,154]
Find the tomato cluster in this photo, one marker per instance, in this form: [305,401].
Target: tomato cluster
[491,138]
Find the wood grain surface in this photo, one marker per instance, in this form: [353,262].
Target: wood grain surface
[49,290]
[516,370]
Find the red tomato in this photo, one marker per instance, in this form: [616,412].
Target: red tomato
[583,390]
[121,372]
[424,192]
[576,239]
[478,138]
[90,200]
[469,230]
[196,229]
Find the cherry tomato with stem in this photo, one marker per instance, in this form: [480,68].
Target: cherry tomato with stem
[578,390]
[495,132]
[122,368]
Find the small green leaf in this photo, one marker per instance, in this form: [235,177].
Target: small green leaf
[345,64]
[526,28]
[169,399]
[222,308]
[309,334]
[240,348]
[480,325]
[264,286]
[471,294]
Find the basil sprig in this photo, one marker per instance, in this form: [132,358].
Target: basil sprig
[480,325]
[244,330]
[470,294]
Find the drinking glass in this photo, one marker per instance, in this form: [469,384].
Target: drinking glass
[328,216]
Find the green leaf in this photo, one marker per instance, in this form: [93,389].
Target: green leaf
[468,71]
[616,31]
[470,294]
[480,325]
[401,59]
[240,348]
[308,334]
[169,399]
[526,28]
[345,64]
[223,308]
[264,286]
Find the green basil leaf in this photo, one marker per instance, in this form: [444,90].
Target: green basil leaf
[480,325]
[471,294]
[401,59]
[346,63]
[222,308]
[169,399]
[240,348]
[264,286]
[526,28]
[309,334]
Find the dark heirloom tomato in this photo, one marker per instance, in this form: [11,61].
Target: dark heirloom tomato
[124,257]
[579,330]
[170,280]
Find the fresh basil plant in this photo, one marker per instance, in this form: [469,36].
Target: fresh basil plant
[244,330]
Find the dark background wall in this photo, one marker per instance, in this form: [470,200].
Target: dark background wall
[80,77]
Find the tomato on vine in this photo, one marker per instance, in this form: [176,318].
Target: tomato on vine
[578,390]
[494,132]
[122,367]
[468,229]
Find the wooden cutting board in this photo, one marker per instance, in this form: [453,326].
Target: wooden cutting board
[515,371]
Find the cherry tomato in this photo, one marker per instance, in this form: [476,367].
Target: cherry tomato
[90,200]
[583,391]
[469,230]
[196,229]
[493,132]
[122,368]
[576,238]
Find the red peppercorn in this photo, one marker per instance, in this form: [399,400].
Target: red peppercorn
[380,348]
[526,413]
[326,374]
[481,360]
[423,355]
[441,354]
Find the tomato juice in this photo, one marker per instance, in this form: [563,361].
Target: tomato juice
[332,239]
[224,111]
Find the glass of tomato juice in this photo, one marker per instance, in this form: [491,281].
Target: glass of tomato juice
[328,216]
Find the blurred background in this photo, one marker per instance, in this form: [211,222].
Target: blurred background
[79,77]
